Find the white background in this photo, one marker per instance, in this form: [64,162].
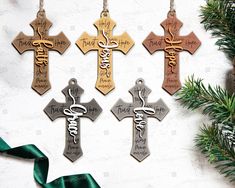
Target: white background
[174,162]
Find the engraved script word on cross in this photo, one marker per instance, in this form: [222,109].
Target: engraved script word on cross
[140,110]
[139,114]
[73,115]
[41,53]
[105,43]
[172,48]
[105,62]
[73,110]
[172,44]
[41,43]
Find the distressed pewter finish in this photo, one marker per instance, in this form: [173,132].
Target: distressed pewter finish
[73,110]
[140,110]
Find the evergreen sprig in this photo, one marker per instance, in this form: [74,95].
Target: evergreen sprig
[216,102]
[218,150]
[218,16]
[218,140]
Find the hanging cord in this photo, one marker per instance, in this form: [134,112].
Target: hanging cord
[41,5]
[105,5]
[172,6]
[105,11]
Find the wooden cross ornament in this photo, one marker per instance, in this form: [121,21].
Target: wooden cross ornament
[172,44]
[105,43]
[140,110]
[41,43]
[73,110]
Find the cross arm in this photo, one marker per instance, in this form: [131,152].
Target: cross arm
[161,109]
[122,110]
[60,43]
[124,41]
[154,43]
[23,43]
[93,110]
[87,43]
[190,43]
[55,110]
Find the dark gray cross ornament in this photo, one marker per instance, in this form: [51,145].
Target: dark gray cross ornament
[140,110]
[73,110]
[41,43]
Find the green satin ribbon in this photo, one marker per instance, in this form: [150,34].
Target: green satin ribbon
[41,165]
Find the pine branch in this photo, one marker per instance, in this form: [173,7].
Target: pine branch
[217,141]
[218,150]
[216,103]
[219,17]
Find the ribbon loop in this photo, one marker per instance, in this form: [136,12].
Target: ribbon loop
[41,166]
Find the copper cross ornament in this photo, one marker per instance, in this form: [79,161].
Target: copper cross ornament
[73,110]
[172,44]
[41,43]
[105,43]
[140,110]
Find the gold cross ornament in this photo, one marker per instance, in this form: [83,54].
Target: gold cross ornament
[105,43]
[41,43]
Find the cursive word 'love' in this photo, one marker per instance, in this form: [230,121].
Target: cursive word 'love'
[139,115]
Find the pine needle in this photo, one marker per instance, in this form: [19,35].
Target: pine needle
[215,102]
[219,150]
[218,140]
[218,16]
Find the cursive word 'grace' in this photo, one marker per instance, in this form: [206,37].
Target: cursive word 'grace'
[73,116]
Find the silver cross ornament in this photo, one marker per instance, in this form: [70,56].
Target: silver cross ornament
[140,110]
[73,110]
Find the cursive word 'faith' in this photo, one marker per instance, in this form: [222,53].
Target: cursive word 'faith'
[41,52]
[74,115]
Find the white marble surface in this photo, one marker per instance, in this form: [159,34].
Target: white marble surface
[106,143]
